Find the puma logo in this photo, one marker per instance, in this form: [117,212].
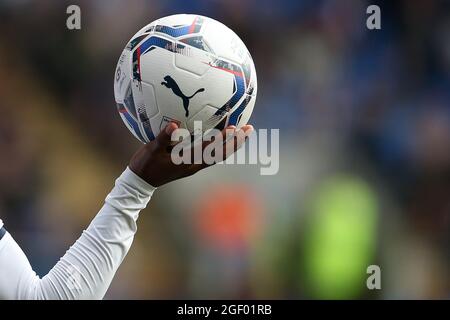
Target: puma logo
[171,84]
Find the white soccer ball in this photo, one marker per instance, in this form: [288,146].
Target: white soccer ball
[184,68]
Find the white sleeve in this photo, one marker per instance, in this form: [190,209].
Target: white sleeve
[87,268]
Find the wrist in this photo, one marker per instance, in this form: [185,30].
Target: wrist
[134,179]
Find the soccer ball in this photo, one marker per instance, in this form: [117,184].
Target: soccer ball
[184,68]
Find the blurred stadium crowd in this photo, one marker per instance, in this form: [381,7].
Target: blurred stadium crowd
[364,119]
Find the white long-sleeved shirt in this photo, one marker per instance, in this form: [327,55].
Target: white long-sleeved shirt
[87,268]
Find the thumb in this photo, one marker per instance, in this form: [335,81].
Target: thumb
[164,137]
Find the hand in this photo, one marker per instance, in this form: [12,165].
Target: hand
[153,163]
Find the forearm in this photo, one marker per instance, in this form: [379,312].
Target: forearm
[87,268]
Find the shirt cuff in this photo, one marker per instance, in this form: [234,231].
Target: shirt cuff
[140,184]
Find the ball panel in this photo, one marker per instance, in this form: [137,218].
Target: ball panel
[228,45]
[130,123]
[151,106]
[122,76]
[204,113]
[177,20]
[246,113]
[194,61]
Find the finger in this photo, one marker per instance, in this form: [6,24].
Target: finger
[164,137]
[218,141]
[222,136]
[232,145]
[248,129]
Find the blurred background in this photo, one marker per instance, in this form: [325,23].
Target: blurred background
[364,119]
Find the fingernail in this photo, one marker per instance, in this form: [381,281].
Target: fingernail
[170,129]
